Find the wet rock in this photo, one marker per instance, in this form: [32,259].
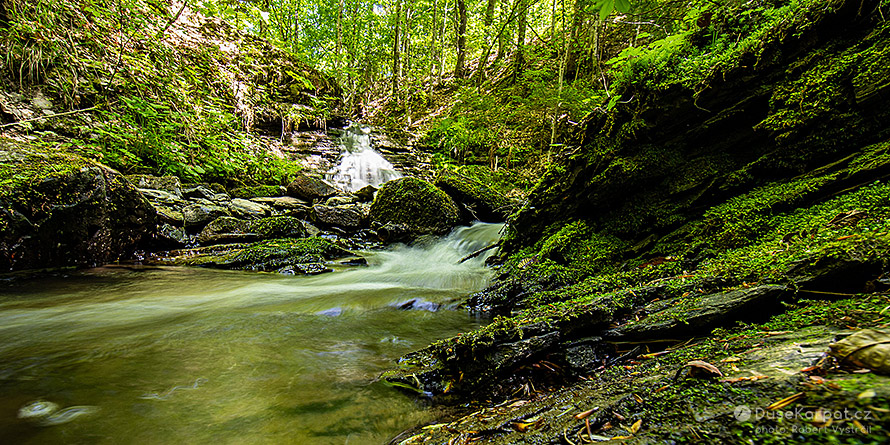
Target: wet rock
[366,193]
[259,191]
[341,200]
[309,188]
[248,209]
[305,269]
[233,230]
[199,215]
[271,255]
[200,191]
[58,209]
[169,184]
[171,237]
[160,196]
[282,202]
[479,201]
[332,312]
[214,187]
[409,207]
[345,216]
[417,304]
[357,261]
[169,215]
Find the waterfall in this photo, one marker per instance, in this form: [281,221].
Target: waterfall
[360,165]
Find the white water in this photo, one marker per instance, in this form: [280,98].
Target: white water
[167,355]
[360,165]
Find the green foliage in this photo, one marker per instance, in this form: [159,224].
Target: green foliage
[163,105]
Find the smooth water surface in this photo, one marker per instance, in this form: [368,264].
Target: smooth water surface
[188,355]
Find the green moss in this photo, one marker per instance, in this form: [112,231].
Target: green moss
[486,202]
[265,255]
[24,168]
[414,203]
[256,191]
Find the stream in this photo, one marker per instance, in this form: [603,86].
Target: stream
[133,354]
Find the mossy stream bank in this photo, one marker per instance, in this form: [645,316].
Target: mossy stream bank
[744,225]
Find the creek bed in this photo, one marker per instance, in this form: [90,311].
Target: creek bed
[166,354]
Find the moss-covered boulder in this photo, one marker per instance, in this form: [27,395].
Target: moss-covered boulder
[478,201]
[310,188]
[301,255]
[58,209]
[233,230]
[408,207]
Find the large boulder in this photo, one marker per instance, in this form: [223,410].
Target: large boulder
[479,201]
[408,207]
[309,188]
[233,230]
[58,209]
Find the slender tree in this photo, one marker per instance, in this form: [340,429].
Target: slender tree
[461,37]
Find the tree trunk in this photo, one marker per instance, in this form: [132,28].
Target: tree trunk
[519,61]
[461,11]
[395,50]
[337,62]
[572,56]
[441,67]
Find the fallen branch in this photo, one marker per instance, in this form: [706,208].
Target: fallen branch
[477,253]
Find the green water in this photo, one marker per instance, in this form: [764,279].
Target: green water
[179,355]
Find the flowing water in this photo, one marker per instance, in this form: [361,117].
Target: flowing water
[360,165]
[189,355]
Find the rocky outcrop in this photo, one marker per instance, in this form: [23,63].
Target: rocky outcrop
[408,207]
[58,209]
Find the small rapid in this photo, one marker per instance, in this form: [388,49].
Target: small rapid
[360,165]
[162,354]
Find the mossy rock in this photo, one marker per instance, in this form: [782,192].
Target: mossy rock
[169,184]
[479,201]
[272,255]
[310,188]
[233,230]
[58,209]
[258,191]
[408,207]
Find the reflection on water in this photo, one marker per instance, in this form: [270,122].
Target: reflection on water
[360,165]
[166,355]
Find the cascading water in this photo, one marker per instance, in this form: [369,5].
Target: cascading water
[360,165]
[159,355]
